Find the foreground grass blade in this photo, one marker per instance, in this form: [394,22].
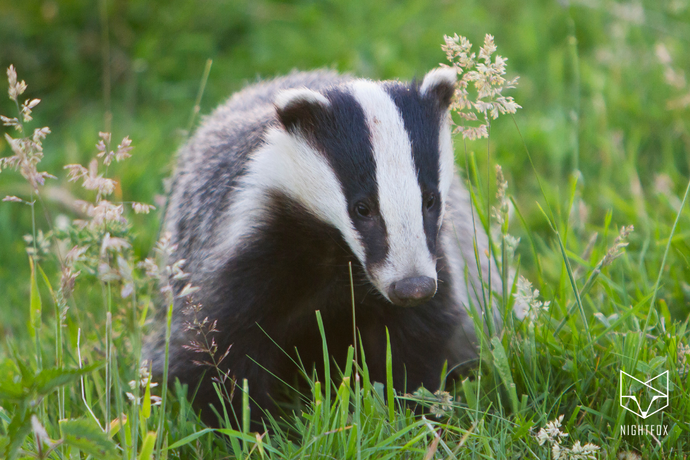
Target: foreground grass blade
[147,446]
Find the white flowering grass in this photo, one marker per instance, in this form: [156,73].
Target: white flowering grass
[28,148]
[485,75]
[552,436]
[529,297]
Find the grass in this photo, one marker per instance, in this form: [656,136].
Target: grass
[602,142]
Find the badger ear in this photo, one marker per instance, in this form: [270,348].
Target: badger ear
[299,108]
[440,85]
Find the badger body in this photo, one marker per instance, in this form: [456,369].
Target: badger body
[284,188]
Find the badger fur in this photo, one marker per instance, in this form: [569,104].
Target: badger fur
[287,184]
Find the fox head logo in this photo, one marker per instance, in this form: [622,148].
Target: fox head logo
[644,398]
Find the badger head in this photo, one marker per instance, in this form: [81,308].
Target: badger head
[374,160]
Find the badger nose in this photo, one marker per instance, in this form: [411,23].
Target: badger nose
[412,291]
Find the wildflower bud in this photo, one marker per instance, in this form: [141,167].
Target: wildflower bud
[40,432]
[142,208]
[67,281]
[619,244]
[188,290]
[16,89]
[123,149]
[105,137]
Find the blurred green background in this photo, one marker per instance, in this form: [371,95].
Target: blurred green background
[602,85]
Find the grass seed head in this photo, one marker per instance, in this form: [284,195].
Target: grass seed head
[486,76]
[28,151]
[530,298]
[619,244]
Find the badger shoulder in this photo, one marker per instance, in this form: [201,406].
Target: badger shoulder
[212,161]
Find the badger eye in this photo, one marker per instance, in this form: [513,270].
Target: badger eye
[363,210]
[430,201]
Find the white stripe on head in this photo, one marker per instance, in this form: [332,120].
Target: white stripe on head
[438,76]
[442,77]
[302,173]
[288,164]
[400,197]
[446,160]
[294,95]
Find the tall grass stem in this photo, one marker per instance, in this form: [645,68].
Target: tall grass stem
[200,93]
[164,387]
[105,56]
[658,278]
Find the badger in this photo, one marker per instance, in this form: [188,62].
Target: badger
[297,184]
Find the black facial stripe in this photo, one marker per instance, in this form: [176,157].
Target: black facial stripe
[422,122]
[422,117]
[343,137]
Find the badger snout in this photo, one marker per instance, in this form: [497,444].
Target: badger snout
[409,292]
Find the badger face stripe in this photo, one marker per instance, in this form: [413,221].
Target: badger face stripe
[344,139]
[325,163]
[399,193]
[340,137]
[446,161]
[289,164]
[427,124]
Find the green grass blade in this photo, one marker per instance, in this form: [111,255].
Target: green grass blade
[326,367]
[390,391]
[503,368]
[147,446]
[245,410]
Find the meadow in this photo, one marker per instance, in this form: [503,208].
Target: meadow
[590,209]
